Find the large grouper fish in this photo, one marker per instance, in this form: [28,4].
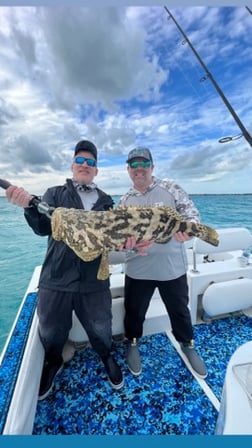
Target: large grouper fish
[93,233]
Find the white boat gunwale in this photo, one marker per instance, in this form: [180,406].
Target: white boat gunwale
[13,353]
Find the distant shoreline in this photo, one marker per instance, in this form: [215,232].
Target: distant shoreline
[220,194]
[191,194]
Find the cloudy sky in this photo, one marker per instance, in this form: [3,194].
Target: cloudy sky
[122,77]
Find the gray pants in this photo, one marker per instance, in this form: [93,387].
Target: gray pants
[94,311]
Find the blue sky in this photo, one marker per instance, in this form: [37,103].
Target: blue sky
[122,77]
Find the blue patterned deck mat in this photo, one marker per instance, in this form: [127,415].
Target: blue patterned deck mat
[13,356]
[165,399]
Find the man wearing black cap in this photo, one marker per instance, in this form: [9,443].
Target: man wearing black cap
[164,267]
[66,282]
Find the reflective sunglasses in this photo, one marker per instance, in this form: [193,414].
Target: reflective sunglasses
[141,164]
[90,162]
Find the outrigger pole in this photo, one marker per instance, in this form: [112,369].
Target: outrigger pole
[245,133]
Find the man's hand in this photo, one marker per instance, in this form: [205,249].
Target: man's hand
[139,248]
[182,236]
[18,196]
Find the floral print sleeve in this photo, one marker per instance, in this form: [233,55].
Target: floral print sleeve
[184,205]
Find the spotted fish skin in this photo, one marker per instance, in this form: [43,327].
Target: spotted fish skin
[93,233]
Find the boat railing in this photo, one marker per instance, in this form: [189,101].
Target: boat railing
[220,284]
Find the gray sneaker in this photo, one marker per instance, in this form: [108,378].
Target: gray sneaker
[196,362]
[133,358]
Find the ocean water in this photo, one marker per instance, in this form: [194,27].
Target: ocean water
[21,250]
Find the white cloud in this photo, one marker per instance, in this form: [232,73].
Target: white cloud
[120,76]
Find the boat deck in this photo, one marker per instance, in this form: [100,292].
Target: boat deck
[165,399]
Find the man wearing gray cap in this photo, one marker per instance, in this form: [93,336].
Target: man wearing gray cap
[164,267]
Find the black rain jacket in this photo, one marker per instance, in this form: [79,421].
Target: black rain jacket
[62,269]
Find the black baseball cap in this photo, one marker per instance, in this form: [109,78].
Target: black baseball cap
[86,145]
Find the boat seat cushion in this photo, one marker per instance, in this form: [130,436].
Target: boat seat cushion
[227,296]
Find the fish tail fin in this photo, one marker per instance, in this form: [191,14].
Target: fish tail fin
[209,235]
[213,237]
[205,233]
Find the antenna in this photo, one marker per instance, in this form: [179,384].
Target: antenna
[245,133]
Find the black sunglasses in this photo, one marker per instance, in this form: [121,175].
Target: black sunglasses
[90,162]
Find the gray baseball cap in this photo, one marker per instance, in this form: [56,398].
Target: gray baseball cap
[140,151]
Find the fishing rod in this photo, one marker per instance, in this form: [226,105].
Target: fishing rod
[41,206]
[245,133]
[47,210]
